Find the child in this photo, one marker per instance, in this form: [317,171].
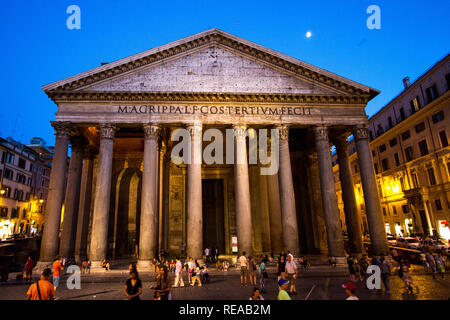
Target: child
[350,289]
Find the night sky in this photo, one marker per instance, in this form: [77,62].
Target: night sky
[38,48]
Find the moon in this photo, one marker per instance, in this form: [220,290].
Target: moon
[308,34]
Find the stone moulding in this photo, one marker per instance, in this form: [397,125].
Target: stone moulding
[63,96]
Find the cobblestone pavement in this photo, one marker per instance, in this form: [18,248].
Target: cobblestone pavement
[226,286]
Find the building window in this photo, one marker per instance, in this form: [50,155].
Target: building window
[379,130]
[375,166]
[31,167]
[22,163]
[384,164]
[8,158]
[393,142]
[384,211]
[406,135]
[431,176]
[432,93]
[405,208]
[447,78]
[423,147]
[24,213]
[3,212]
[409,154]
[438,117]
[420,127]
[402,114]
[21,178]
[397,160]
[391,124]
[443,137]
[8,174]
[382,148]
[14,213]
[394,209]
[415,180]
[438,204]
[415,104]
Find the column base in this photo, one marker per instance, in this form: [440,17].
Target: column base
[144,266]
[341,262]
[41,265]
[96,267]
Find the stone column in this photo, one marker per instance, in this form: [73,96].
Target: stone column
[242,192]
[99,233]
[348,196]
[194,195]
[84,207]
[329,198]
[373,208]
[148,232]
[50,237]
[276,230]
[72,198]
[288,213]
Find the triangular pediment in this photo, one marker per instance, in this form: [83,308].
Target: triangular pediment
[212,69]
[211,61]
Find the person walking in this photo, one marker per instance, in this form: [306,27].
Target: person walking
[57,268]
[263,276]
[385,269]
[207,253]
[133,286]
[281,267]
[244,268]
[256,295]
[216,254]
[29,270]
[162,286]
[423,261]
[178,273]
[440,265]
[363,265]
[291,273]
[282,293]
[252,271]
[351,268]
[196,274]
[43,289]
[190,269]
[431,264]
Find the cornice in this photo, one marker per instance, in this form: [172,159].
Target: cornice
[63,96]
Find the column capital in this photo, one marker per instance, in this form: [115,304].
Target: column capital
[107,131]
[195,130]
[77,143]
[62,128]
[283,131]
[240,130]
[321,133]
[361,133]
[151,131]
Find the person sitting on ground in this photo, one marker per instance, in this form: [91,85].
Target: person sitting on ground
[42,289]
[256,295]
[350,289]
[105,264]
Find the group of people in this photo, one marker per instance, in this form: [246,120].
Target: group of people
[211,255]
[434,262]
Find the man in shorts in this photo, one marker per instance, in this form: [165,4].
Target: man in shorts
[292,273]
[244,268]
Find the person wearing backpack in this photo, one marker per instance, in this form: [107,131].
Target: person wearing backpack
[42,289]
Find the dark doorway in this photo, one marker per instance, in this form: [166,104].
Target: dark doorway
[423,220]
[213,214]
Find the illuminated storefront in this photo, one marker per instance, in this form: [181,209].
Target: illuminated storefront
[444,230]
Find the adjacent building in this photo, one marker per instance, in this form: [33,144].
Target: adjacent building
[411,156]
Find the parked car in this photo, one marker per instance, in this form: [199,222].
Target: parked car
[408,242]
[392,240]
[436,245]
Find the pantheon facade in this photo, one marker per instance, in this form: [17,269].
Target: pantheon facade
[124,193]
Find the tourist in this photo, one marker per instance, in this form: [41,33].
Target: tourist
[351,268]
[256,295]
[57,268]
[155,265]
[196,274]
[332,261]
[282,286]
[252,270]
[172,265]
[431,264]
[440,264]
[281,267]
[162,287]
[178,274]
[350,289]
[263,276]
[106,265]
[406,277]
[43,289]
[204,275]
[216,254]
[291,273]
[363,265]
[244,268]
[226,265]
[423,261]
[385,269]
[207,253]
[29,270]
[183,249]
[133,286]
[190,270]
